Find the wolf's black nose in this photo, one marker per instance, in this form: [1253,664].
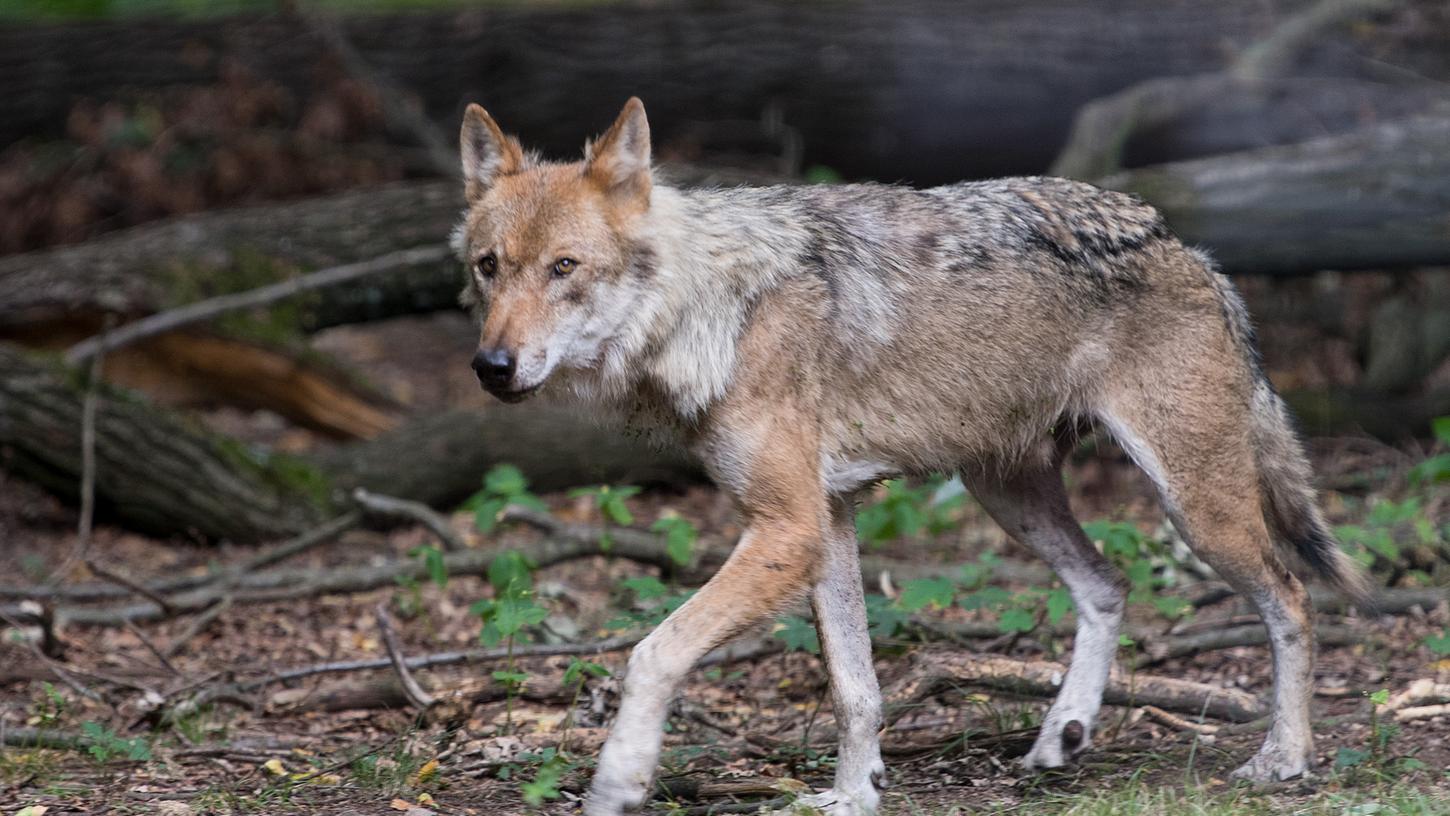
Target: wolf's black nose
[495,367]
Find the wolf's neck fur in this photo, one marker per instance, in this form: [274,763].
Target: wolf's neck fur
[717,252]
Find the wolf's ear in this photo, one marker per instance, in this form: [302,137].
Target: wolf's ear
[619,160]
[487,153]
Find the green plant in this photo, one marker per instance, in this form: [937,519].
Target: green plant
[1436,468]
[653,602]
[432,557]
[905,511]
[105,744]
[1388,529]
[504,485]
[550,765]
[610,502]
[1439,644]
[680,535]
[1375,757]
[506,614]
[798,634]
[50,709]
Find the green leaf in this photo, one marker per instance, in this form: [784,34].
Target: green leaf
[1349,757]
[485,514]
[1431,471]
[433,563]
[512,614]
[614,508]
[1016,619]
[646,587]
[798,635]
[1441,428]
[1380,697]
[1059,603]
[988,597]
[1172,606]
[505,480]
[884,618]
[1439,644]
[1124,640]
[923,592]
[579,669]
[511,572]
[679,538]
[512,679]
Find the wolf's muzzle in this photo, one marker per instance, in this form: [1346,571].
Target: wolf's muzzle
[495,368]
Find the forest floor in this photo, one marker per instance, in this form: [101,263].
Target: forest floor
[753,726]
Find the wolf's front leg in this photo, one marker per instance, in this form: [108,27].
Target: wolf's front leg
[840,606]
[775,562]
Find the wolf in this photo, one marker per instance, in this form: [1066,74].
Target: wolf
[806,342]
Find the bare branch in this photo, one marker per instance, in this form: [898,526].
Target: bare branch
[420,699]
[167,609]
[412,511]
[204,310]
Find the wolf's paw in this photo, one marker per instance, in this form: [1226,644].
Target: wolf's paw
[1273,764]
[612,797]
[833,803]
[1059,740]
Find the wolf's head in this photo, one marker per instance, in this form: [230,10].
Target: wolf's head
[555,263]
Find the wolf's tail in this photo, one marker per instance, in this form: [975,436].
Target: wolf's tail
[1286,482]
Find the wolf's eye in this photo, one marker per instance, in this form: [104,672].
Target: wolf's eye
[564,266]
[487,265]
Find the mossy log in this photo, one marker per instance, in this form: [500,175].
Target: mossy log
[154,469]
[158,472]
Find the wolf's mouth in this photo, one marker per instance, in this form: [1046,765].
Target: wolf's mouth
[514,395]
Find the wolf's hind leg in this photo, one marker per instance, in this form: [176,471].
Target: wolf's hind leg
[1204,466]
[840,607]
[1032,507]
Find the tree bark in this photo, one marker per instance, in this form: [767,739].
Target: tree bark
[159,473]
[925,90]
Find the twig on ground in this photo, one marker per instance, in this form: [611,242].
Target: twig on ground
[87,517]
[97,591]
[199,625]
[635,545]
[56,669]
[204,310]
[321,534]
[420,699]
[412,511]
[88,457]
[151,647]
[448,659]
[1172,720]
[167,609]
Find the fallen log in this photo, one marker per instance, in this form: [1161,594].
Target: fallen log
[158,472]
[153,468]
[1372,199]
[944,90]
